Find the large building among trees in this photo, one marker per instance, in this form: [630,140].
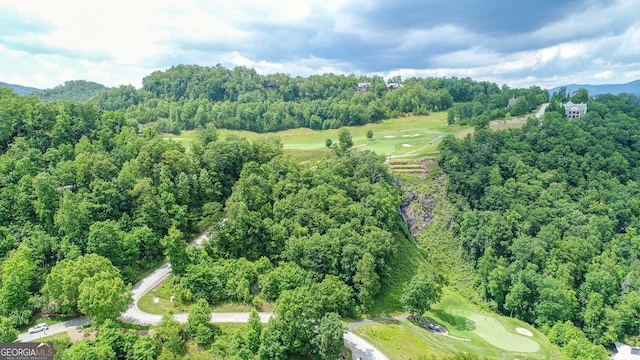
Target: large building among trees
[575,111]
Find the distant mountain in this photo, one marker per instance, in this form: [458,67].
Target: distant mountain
[632,88]
[73,90]
[19,89]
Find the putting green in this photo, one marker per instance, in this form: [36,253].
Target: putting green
[492,331]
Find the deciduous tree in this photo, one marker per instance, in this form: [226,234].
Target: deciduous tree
[329,337]
[344,138]
[175,250]
[172,334]
[419,293]
[198,323]
[103,297]
[254,330]
[7,332]
[62,286]
[18,272]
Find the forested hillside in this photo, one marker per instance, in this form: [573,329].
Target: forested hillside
[72,90]
[549,215]
[76,180]
[189,96]
[88,203]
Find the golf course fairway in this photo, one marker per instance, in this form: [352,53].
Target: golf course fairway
[493,332]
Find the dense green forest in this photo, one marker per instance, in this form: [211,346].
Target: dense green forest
[189,96]
[72,90]
[88,203]
[549,215]
[92,197]
[77,180]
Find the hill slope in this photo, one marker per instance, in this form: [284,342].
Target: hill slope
[19,89]
[73,90]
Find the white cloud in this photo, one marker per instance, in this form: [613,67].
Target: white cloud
[632,74]
[608,74]
[121,41]
[585,22]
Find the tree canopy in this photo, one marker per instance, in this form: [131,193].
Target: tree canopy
[549,215]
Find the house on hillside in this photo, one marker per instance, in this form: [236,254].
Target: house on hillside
[575,111]
[393,86]
[362,87]
[626,352]
[512,101]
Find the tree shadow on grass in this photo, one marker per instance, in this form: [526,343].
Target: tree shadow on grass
[453,321]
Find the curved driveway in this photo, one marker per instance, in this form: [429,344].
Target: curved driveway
[359,347]
[540,112]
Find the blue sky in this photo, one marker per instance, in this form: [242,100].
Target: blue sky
[517,42]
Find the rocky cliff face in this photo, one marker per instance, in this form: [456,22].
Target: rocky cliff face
[417,210]
[419,202]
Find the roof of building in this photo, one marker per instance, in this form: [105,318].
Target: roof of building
[626,352]
[572,106]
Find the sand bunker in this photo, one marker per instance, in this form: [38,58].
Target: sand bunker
[407,145]
[524,331]
[389,136]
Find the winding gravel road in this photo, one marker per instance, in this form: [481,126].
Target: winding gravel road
[540,112]
[360,348]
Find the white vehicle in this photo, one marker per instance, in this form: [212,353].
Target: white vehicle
[38,328]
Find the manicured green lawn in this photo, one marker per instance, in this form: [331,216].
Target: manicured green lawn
[404,137]
[495,333]
[410,137]
[162,293]
[471,330]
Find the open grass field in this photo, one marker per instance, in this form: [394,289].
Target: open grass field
[158,301]
[404,137]
[471,331]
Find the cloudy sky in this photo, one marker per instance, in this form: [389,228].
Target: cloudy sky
[515,42]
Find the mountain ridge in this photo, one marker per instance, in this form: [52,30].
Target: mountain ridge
[19,89]
[632,87]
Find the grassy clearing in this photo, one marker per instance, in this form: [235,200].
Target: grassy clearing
[433,216]
[51,338]
[409,137]
[401,339]
[309,155]
[406,261]
[158,300]
[471,330]
[494,333]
